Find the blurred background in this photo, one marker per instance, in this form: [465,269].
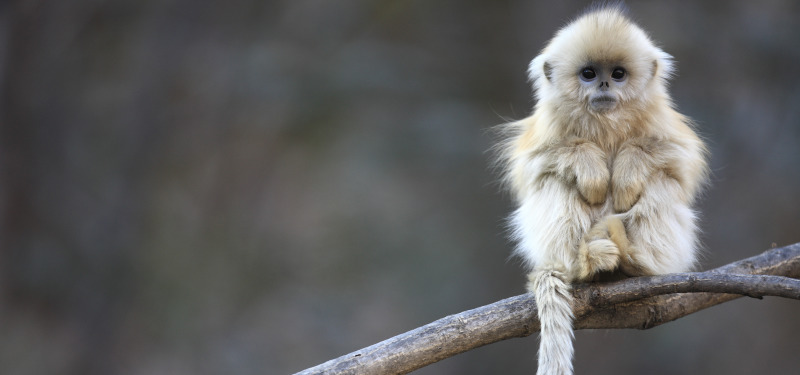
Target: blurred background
[251,187]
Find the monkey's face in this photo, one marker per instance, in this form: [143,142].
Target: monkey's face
[602,82]
[602,85]
[601,65]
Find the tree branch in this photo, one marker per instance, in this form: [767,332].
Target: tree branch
[642,303]
[755,286]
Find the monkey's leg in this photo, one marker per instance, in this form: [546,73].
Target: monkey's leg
[550,225]
[661,229]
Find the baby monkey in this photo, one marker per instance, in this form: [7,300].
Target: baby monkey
[604,172]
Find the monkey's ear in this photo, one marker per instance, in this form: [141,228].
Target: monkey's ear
[548,71]
[539,67]
[655,69]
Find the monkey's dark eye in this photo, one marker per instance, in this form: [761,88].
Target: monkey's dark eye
[588,74]
[618,74]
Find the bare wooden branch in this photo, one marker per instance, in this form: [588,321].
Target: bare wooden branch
[641,303]
[633,289]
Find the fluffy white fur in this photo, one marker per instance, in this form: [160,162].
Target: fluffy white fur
[600,190]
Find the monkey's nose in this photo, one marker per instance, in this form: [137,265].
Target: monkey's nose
[604,83]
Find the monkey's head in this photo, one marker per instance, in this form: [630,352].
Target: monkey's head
[600,64]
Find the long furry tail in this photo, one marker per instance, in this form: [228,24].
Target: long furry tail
[554,302]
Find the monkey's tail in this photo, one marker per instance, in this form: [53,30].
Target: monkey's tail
[554,303]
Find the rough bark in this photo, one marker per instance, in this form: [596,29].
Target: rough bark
[642,303]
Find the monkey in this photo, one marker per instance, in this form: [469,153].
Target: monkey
[604,172]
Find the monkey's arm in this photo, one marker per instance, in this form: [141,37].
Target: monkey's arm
[581,164]
[554,183]
[639,159]
[653,183]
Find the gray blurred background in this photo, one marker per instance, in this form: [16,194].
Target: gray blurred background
[257,187]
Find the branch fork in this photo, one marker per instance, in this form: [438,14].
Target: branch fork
[641,302]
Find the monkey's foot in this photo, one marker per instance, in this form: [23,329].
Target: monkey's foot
[602,247]
[615,229]
[595,256]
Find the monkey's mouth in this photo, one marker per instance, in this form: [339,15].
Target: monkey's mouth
[603,103]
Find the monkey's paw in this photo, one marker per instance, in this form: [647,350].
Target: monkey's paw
[603,247]
[632,168]
[624,197]
[597,255]
[593,190]
[587,164]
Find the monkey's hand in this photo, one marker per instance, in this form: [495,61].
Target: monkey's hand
[634,164]
[592,182]
[586,164]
